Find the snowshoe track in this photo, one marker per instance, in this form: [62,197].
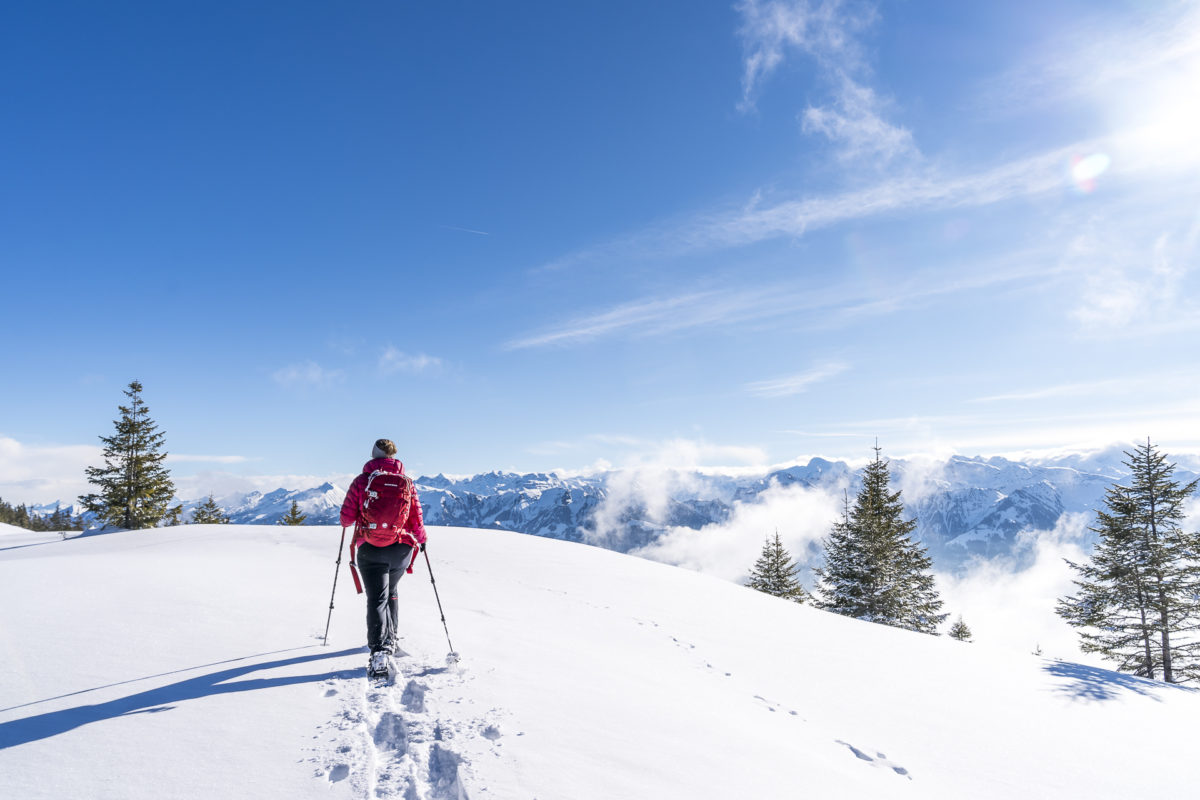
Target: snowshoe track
[399,739]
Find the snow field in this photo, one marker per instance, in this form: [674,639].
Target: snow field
[187,664]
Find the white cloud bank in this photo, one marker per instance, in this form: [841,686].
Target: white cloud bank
[44,473]
[728,550]
[1009,602]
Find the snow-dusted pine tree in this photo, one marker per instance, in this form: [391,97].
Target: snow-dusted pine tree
[1137,602]
[134,486]
[293,517]
[775,572]
[209,513]
[873,568]
[959,630]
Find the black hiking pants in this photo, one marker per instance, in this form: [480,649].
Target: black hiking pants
[381,569]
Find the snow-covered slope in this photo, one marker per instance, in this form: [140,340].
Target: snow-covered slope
[14,536]
[186,663]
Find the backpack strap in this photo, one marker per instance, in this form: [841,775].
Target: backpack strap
[354,543]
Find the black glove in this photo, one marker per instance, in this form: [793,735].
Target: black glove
[422,547]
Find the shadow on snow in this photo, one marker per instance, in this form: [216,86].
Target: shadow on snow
[52,723]
[63,537]
[1093,683]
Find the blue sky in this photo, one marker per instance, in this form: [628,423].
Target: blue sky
[557,235]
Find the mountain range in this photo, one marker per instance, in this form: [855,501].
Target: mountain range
[964,506]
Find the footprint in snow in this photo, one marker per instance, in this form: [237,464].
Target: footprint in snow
[413,698]
[443,774]
[878,760]
[390,733]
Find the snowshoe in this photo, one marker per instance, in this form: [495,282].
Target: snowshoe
[380,668]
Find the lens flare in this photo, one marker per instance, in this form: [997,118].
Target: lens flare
[1085,170]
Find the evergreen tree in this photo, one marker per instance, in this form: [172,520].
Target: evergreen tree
[293,517]
[960,631]
[775,572]
[209,513]
[1137,602]
[873,569]
[174,515]
[22,517]
[59,520]
[134,486]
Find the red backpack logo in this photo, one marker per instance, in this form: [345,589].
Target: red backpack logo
[385,504]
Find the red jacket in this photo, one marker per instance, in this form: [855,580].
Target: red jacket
[351,506]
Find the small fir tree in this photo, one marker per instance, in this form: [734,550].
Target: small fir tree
[209,513]
[134,487]
[960,631]
[1137,602]
[174,515]
[293,517]
[775,572]
[873,568]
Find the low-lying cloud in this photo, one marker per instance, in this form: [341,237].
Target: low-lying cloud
[802,517]
[1008,602]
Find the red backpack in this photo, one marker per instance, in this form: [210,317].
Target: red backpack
[385,504]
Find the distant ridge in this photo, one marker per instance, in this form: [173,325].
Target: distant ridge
[965,506]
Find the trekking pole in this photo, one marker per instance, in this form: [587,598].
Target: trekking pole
[452,656]
[334,592]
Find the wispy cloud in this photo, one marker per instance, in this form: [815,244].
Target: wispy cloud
[1019,434]
[855,123]
[1060,390]
[181,458]
[639,453]
[657,314]
[307,373]
[1152,133]
[798,383]
[822,30]
[931,189]
[1137,290]
[825,32]
[393,360]
[1093,56]
[465,230]
[1173,383]
[822,306]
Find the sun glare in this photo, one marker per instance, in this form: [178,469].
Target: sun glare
[1163,118]
[1085,170]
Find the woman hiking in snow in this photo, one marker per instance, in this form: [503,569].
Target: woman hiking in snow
[382,505]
